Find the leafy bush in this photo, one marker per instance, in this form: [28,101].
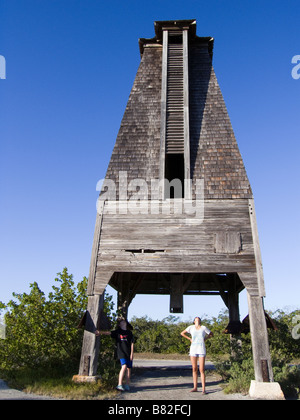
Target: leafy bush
[241,373]
[238,371]
[289,378]
[283,344]
[42,348]
[42,332]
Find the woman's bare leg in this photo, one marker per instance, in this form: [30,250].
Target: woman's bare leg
[202,372]
[195,373]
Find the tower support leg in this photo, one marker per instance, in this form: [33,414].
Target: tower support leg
[234,320]
[91,342]
[259,338]
[264,386]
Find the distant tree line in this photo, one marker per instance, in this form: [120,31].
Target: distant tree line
[163,336]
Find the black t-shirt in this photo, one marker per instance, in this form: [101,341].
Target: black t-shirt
[123,338]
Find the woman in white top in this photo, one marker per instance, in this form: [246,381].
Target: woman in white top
[199,334]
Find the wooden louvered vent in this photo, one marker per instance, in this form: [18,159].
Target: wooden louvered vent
[175,110]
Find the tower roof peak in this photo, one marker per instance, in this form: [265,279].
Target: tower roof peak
[178,24]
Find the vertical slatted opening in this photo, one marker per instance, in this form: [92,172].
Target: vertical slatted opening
[175,114]
[174,159]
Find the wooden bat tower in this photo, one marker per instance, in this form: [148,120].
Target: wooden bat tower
[176,212]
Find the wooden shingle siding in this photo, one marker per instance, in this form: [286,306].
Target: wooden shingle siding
[137,146]
[215,155]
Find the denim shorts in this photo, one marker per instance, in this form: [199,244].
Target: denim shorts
[126,362]
[197,355]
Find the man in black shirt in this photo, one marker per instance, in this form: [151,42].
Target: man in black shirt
[124,342]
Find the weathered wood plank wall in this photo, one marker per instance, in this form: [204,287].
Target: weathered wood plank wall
[176,243]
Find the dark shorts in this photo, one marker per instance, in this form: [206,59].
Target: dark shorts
[126,362]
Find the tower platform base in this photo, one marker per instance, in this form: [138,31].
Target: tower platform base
[266,391]
[79,379]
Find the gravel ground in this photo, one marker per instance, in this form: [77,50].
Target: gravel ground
[160,380]
[172,380]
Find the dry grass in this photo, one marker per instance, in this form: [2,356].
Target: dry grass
[58,386]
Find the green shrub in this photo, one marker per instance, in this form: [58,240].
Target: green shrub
[43,344]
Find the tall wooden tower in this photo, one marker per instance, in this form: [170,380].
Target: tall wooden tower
[176,214]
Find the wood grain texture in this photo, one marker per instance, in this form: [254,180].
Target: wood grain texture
[168,243]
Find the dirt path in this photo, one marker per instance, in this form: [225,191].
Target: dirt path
[160,380]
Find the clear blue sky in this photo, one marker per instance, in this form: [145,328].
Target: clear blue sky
[70,69]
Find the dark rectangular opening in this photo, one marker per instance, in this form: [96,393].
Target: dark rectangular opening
[174,165]
[144,251]
[175,37]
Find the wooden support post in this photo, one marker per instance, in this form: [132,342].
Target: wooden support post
[259,337]
[91,343]
[234,321]
[257,253]
[233,306]
[95,248]
[176,293]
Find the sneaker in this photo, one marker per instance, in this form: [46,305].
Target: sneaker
[127,387]
[120,388]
